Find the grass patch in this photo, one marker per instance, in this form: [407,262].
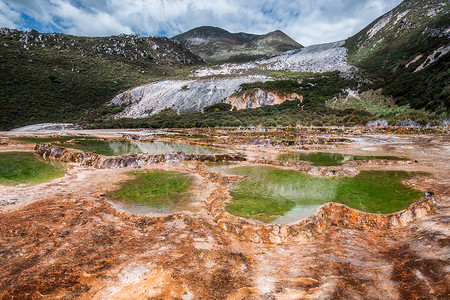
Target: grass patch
[269,193]
[381,107]
[161,189]
[25,167]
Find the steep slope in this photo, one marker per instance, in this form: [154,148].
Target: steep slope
[316,58]
[182,96]
[217,45]
[406,52]
[56,77]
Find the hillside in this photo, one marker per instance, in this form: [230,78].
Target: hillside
[58,78]
[315,58]
[406,53]
[181,96]
[217,45]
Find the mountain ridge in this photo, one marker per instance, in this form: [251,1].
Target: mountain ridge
[217,45]
[58,77]
[402,60]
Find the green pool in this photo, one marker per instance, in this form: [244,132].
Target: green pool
[282,196]
[25,167]
[112,148]
[329,159]
[155,191]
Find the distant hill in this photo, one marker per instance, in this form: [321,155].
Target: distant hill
[56,77]
[62,78]
[217,45]
[406,52]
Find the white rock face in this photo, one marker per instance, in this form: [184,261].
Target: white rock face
[316,58]
[379,25]
[185,96]
[181,95]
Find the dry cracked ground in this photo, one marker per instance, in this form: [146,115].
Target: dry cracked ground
[61,240]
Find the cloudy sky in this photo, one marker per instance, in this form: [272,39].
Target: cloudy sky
[307,21]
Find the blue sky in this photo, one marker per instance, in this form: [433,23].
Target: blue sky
[307,21]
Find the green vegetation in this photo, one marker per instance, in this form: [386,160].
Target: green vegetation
[315,88]
[386,58]
[25,167]
[383,107]
[62,78]
[161,189]
[329,159]
[218,107]
[269,192]
[111,148]
[281,86]
[311,85]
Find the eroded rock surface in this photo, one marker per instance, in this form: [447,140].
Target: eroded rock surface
[315,58]
[62,240]
[180,95]
[258,97]
[127,160]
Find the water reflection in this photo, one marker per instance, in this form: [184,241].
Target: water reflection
[329,159]
[297,214]
[186,202]
[282,196]
[156,193]
[112,148]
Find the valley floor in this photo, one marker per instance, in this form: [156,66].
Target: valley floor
[62,240]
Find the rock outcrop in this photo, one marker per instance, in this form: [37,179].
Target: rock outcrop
[258,97]
[183,96]
[127,160]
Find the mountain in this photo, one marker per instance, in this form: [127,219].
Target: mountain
[57,77]
[401,58]
[406,53]
[217,45]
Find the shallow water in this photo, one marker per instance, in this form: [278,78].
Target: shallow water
[329,159]
[282,196]
[155,192]
[26,167]
[112,148]
[298,213]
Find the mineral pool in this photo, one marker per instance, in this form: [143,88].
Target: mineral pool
[274,195]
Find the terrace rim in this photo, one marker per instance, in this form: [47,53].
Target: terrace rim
[329,215]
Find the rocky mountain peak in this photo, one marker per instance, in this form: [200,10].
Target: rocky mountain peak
[218,45]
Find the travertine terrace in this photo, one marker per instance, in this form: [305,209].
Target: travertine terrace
[63,239]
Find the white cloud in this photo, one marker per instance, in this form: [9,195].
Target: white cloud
[307,21]
[8,18]
[79,22]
